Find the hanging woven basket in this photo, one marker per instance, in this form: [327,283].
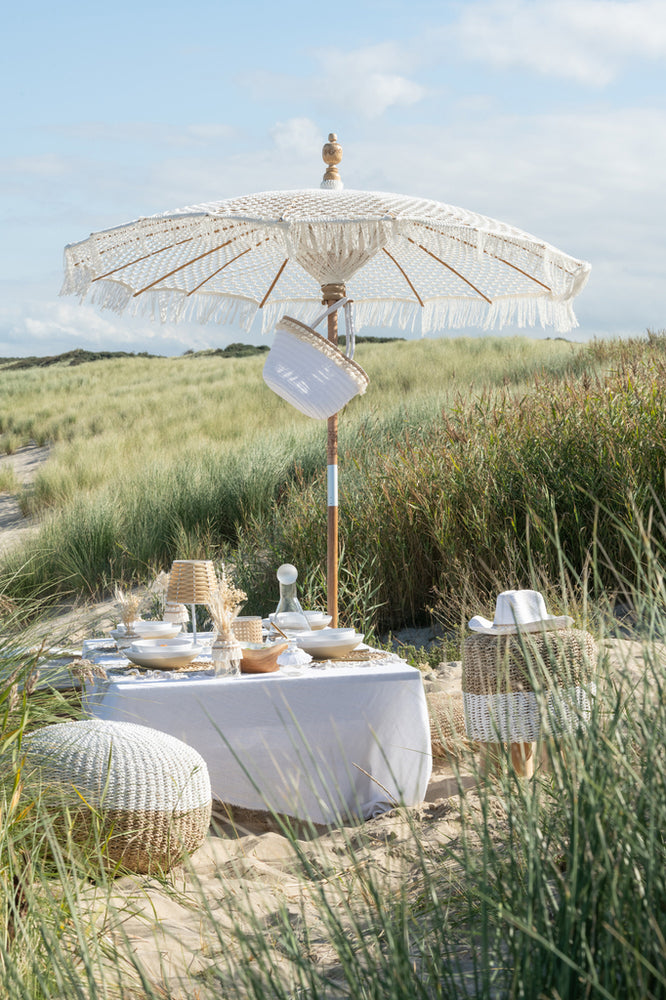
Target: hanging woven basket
[309,372]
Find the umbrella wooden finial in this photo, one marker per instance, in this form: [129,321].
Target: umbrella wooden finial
[331,154]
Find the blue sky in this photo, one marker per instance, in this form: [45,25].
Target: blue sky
[549,116]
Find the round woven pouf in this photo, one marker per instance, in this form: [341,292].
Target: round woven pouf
[149,792]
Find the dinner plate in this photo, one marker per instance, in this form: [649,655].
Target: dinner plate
[328,643]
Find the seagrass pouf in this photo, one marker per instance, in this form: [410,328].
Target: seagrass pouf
[518,687]
[148,792]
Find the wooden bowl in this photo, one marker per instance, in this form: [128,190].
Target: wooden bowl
[260,659]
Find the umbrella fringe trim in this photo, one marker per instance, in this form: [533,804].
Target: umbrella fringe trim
[165,307]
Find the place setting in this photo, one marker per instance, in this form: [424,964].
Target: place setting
[290,641]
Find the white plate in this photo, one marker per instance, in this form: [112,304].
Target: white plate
[322,645]
[163,653]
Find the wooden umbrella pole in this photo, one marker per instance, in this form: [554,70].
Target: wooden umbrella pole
[331,293]
[332,487]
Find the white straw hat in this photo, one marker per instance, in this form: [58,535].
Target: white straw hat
[519,611]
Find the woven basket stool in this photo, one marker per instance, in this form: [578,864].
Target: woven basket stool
[517,688]
[151,791]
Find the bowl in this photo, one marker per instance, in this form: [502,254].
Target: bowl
[292,621]
[162,654]
[318,619]
[157,630]
[261,658]
[149,630]
[329,642]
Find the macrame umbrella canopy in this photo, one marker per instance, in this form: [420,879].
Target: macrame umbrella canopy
[406,262]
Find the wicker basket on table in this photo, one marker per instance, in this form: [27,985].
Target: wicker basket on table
[518,687]
[247,628]
[145,794]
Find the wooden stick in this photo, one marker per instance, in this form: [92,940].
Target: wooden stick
[332,483]
[278,629]
[273,283]
[404,274]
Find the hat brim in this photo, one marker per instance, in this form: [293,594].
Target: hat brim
[550,624]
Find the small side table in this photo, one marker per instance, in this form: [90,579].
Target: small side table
[520,687]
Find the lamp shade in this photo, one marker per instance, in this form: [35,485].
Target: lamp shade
[191,581]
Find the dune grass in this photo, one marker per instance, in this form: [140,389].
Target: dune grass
[155,459]
[555,887]
[466,461]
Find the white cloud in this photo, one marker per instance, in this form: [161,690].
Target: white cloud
[297,136]
[364,81]
[361,81]
[50,326]
[583,40]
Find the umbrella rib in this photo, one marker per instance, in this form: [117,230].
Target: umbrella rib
[181,267]
[210,276]
[453,270]
[138,260]
[274,283]
[153,253]
[404,274]
[495,256]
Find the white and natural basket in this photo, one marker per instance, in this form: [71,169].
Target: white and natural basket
[517,688]
[310,372]
[150,790]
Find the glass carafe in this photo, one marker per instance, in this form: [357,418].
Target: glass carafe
[289,613]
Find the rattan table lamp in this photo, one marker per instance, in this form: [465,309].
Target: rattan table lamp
[191,581]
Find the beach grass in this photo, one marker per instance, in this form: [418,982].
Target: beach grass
[553,888]
[219,465]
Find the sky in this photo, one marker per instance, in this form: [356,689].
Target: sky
[548,116]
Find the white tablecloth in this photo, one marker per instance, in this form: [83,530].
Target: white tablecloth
[321,742]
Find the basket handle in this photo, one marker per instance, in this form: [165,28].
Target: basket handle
[349,323]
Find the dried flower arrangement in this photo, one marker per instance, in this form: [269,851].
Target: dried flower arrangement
[128,606]
[225,602]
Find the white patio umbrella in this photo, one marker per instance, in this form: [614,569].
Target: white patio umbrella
[404,261]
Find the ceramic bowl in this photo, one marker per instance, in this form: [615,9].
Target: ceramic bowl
[329,642]
[149,630]
[163,654]
[317,619]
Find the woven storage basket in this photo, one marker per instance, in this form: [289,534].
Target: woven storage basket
[151,790]
[516,687]
[310,372]
[247,628]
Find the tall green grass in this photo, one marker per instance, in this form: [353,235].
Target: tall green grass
[155,459]
[553,887]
